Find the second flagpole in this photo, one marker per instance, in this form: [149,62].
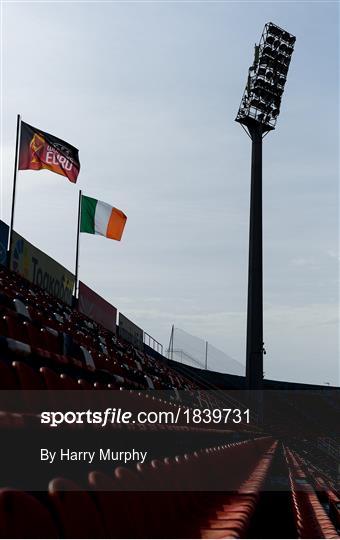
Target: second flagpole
[10,236]
[77,251]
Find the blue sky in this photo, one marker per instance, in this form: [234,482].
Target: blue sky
[148,92]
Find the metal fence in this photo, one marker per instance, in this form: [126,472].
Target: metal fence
[197,352]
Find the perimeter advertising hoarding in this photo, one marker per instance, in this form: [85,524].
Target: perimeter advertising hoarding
[41,270]
[131,332]
[4,228]
[95,307]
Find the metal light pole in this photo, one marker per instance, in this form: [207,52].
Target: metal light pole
[254,354]
[258,113]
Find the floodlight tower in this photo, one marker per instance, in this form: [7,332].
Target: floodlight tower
[258,113]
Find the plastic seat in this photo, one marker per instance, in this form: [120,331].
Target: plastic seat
[68,383]
[51,378]
[132,517]
[13,327]
[29,378]
[76,512]
[23,516]
[51,337]
[232,518]
[110,503]
[127,480]
[56,383]
[310,517]
[99,386]
[30,399]
[8,380]
[84,385]
[162,508]
[31,334]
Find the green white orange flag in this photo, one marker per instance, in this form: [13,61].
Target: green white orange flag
[98,217]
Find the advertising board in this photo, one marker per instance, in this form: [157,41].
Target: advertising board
[130,332]
[40,269]
[96,308]
[4,229]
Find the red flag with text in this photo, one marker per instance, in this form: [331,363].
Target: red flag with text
[40,150]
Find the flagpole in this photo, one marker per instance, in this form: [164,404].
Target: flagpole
[77,249]
[9,247]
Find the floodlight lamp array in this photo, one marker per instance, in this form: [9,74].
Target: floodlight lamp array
[267,77]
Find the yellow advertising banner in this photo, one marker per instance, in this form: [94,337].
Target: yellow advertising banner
[41,270]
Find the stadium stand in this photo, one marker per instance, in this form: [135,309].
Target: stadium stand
[46,345]
[310,517]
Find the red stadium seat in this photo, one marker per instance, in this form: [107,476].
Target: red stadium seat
[310,516]
[50,340]
[84,385]
[51,378]
[75,510]
[13,327]
[231,519]
[104,492]
[68,383]
[8,380]
[122,508]
[32,334]
[60,382]
[23,516]
[29,378]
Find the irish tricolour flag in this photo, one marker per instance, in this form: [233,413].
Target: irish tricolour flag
[98,217]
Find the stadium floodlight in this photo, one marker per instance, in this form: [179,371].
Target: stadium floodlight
[266,79]
[258,114]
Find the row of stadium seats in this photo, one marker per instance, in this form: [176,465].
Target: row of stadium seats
[48,333]
[232,517]
[329,495]
[30,316]
[23,374]
[325,488]
[46,345]
[20,375]
[121,505]
[311,518]
[330,498]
